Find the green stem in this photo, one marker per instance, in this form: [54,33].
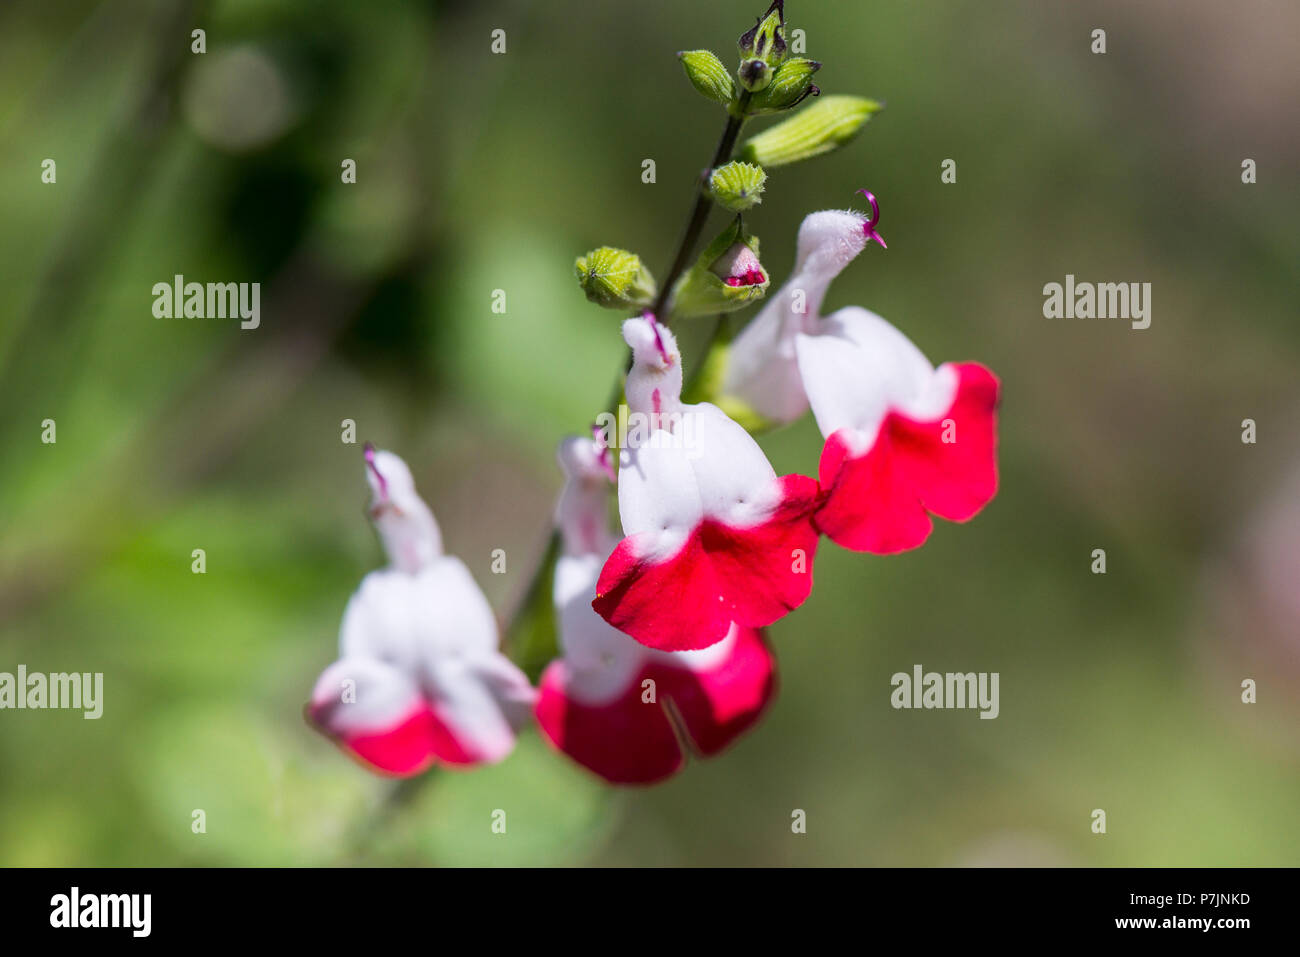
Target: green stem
[700,211]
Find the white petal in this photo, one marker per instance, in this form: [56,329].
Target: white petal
[408,620]
[733,476]
[363,695]
[654,383]
[465,618]
[469,706]
[602,660]
[509,686]
[580,458]
[657,493]
[581,513]
[914,386]
[383,621]
[858,367]
[762,368]
[828,241]
[406,525]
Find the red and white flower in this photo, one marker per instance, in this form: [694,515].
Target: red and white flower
[903,439]
[419,678]
[622,710]
[762,367]
[714,538]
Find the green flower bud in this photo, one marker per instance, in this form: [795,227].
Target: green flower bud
[754,75]
[737,186]
[766,39]
[727,276]
[791,83]
[615,278]
[708,75]
[816,129]
[762,49]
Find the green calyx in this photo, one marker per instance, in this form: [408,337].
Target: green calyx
[791,83]
[708,75]
[762,49]
[737,186]
[727,276]
[615,278]
[818,128]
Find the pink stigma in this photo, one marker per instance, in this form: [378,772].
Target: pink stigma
[869,227]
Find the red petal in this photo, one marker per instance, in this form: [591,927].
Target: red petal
[630,741]
[721,703]
[751,576]
[877,501]
[447,748]
[403,750]
[409,747]
[625,741]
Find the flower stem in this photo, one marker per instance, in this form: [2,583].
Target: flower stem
[700,211]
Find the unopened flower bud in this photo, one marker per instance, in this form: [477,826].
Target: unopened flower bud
[739,266]
[828,123]
[762,49]
[615,278]
[737,186]
[766,39]
[754,75]
[708,75]
[727,276]
[791,83]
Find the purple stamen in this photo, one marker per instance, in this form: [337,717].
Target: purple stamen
[869,227]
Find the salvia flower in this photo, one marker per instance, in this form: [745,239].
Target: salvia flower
[713,535]
[763,370]
[903,439]
[419,678]
[616,707]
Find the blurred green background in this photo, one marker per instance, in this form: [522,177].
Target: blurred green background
[479,172]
